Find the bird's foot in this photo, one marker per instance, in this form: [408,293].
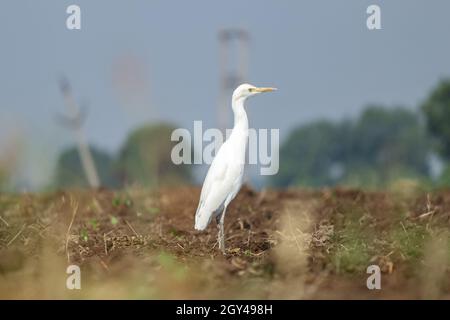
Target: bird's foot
[222,249]
[221,246]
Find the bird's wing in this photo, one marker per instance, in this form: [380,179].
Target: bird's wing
[217,186]
[216,172]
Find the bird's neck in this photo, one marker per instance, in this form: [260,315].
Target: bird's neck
[240,116]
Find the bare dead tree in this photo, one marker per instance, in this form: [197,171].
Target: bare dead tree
[74,121]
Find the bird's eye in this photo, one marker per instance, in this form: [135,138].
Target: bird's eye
[251,89]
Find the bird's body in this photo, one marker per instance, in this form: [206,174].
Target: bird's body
[224,178]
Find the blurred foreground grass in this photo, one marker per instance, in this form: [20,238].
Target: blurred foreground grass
[291,244]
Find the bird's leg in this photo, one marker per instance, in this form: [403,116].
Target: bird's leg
[219,232]
[221,236]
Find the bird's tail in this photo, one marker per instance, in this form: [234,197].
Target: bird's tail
[202,219]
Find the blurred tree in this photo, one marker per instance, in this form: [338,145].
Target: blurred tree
[444,179]
[392,142]
[437,114]
[3,179]
[69,172]
[10,154]
[380,146]
[314,155]
[146,158]
[4,176]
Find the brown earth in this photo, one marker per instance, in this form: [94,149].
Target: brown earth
[290,244]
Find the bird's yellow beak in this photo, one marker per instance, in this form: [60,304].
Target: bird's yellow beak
[264,89]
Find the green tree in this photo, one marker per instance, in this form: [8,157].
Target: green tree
[391,142]
[3,178]
[314,155]
[69,171]
[145,158]
[380,146]
[436,109]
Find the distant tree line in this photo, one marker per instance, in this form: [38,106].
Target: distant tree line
[144,159]
[378,148]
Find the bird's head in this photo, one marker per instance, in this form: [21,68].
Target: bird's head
[247,90]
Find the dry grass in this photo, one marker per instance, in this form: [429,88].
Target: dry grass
[291,244]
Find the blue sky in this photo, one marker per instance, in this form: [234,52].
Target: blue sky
[319,54]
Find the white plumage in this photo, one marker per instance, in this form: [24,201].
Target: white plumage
[224,178]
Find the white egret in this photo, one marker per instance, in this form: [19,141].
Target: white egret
[224,177]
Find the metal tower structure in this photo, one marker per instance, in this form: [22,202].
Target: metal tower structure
[234,53]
